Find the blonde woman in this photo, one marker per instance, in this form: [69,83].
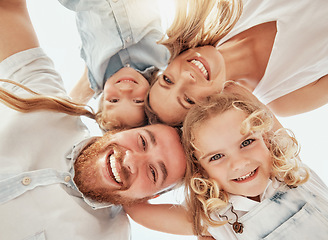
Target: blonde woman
[277,49]
[244,179]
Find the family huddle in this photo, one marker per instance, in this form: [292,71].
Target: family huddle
[193,106]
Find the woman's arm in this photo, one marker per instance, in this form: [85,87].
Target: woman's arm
[16,30]
[167,218]
[82,92]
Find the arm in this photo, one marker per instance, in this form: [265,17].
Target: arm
[82,92]
[16,30]
[167,218]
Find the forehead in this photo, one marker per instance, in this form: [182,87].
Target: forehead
[171,112]
[169,149]
[126,113]
[219,129]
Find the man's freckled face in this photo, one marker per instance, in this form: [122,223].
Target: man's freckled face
[152,157]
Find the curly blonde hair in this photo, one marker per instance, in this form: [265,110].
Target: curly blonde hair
[203,194]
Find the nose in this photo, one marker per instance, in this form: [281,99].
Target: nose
[238,162]
[188,77]
[126,89]
[133,161]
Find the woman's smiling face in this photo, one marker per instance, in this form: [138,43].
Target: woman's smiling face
[190,77]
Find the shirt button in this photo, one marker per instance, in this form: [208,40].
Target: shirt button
[127,65]
[26,181]
[67,179]
[128,39]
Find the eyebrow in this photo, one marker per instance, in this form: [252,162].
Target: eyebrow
[151,136]
[180,102]
[164,171]
[161,163]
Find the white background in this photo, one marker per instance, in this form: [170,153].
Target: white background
[56,30]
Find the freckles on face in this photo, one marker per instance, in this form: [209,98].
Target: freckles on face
[155,158]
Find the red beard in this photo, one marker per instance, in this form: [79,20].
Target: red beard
[86,172]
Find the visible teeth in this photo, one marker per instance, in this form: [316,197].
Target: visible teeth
[127,80]
[200,66]
[246,176]
[114,170]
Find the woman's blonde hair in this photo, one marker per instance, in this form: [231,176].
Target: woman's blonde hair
[199,23]
[196,23]
[36,101]
[203,194]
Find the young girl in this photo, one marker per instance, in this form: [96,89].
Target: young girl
[244,179]
[277,49]
[119,47]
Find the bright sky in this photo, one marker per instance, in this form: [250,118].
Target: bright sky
[55,27]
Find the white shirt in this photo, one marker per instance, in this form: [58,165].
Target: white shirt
[300,52]
[38,199]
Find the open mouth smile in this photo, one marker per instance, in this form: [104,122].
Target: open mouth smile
[201,68]
[127,81]
[113,168]
[246,176]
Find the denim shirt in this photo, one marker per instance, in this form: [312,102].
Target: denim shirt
[118,33]
[283,213]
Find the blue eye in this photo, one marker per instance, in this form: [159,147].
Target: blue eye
[188,100]
[247,142]
[216,157]
[167,80]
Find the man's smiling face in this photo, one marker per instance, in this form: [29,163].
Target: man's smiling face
[130,165]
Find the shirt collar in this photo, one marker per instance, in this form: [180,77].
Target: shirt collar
[72,156]
[241,203]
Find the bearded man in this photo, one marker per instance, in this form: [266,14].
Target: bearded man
[51,171]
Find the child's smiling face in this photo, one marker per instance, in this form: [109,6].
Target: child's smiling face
[124,94]
[241,164]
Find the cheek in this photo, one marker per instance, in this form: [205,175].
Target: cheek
[141,92]
[200,92]
[110,91]
[138,190]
